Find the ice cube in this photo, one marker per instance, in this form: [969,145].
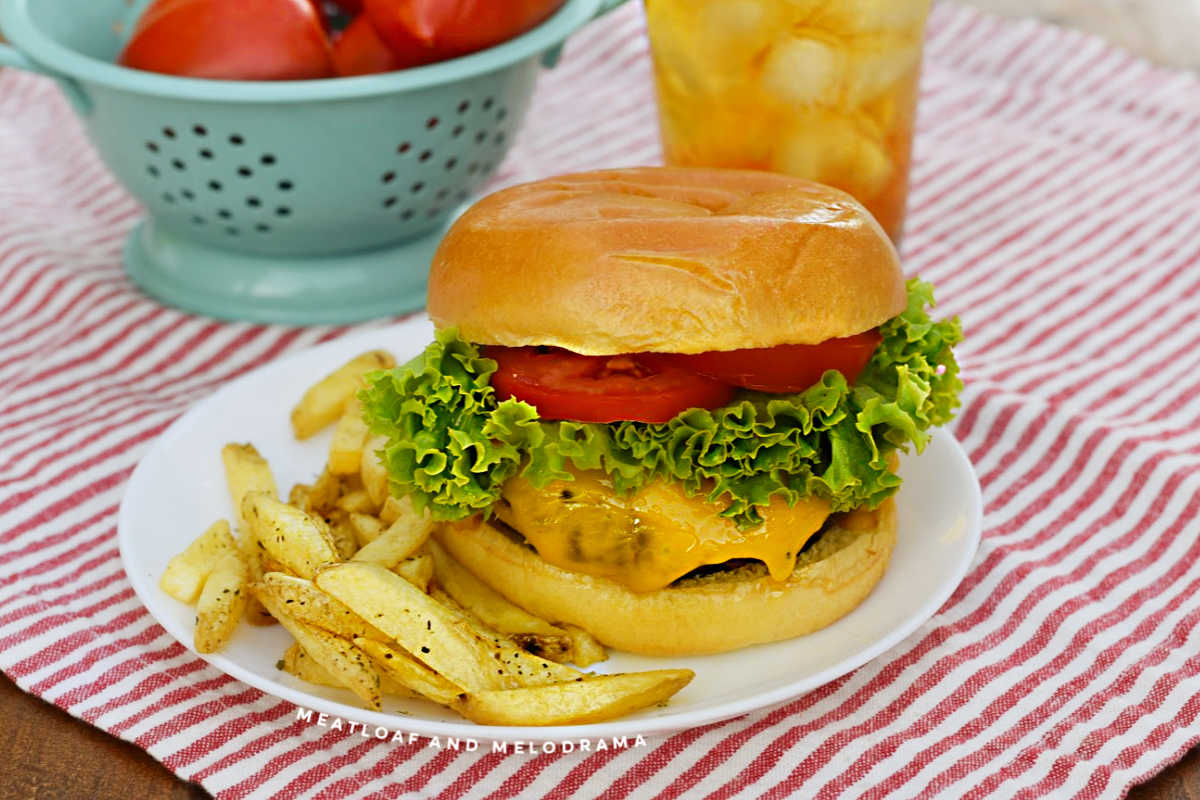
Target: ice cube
[803,72]
[872,16]
[875,68]
[831,148]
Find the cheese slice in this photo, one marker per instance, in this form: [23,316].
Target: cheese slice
[650,538]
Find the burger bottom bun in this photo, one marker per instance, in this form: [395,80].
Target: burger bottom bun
[719,611]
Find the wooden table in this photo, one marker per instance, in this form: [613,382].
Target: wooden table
[47,754]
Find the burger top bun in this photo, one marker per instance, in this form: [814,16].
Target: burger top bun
[664,259]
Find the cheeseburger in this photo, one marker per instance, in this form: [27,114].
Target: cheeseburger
[664,405]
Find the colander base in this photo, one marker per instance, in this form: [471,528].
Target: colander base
[286,290]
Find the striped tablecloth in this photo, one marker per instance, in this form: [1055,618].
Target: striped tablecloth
[1056,205]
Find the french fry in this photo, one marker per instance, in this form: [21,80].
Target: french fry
[530,632]
[422,626]
[184,576]
[417,570]
[324,402]
[588,698]
[319,497]
[402,538]
[345,540]
[585,650]
[246,471]
[357,500]
[393,508]
[405,670]
[349,436]
[520,667]
[288,535]
[366,527]
[339,657]
[221,603]
[305,602]
[300,664]
[374,473]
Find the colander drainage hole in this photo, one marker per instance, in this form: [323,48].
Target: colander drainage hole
[431,123]
[206,154]
[498,138]
[417,187]
[224,214]
[425,155]
[168,197]
[451,164]
[262,227]
[169,133]
[152,147]
[501,114]
[391,201]
[267,160]
[232,231]
[177,164]
[236,140]
[215,186]
[198,220]
[458,130]
[407,214]
[488,103]
[283,211]
[153,170]
[200,130]
[286,186]
[188,194]
[245,172]
[433,212]
[388,177]
[464,106]
[253,202]
[404,148]
[480,137]
[443,194]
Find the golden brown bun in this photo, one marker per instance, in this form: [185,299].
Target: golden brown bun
[721,611]
[664,259]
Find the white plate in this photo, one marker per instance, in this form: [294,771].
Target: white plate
[179,489]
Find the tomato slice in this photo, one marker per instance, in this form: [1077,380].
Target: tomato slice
[786,368]
[249,40]
[566,385]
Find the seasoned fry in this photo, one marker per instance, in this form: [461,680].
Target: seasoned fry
[288,535]
[307,603]
[345,540]
[402,538]
[324,402]
[585,650]
[394,508]
[221,603]
[374,473]
[530,632]
[407,671]
[588,698]
[421,625]
[299,663]
[246,471]
[346,449]
[357,500]
[521,668]
[417,570]
[366,527]
[340,658]
[185,573]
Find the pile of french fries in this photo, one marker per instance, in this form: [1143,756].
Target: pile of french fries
[374,604]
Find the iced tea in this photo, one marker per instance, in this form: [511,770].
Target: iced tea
[823,89]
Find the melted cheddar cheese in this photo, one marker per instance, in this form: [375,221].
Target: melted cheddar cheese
[650,538]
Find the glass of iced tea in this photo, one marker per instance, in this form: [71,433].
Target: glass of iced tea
[823,89]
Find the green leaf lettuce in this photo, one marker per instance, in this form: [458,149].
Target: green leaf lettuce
[451,444]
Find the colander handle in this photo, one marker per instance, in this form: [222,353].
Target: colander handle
[551,56]
[76,94]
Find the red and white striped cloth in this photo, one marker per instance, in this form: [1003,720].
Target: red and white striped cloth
[1056,206]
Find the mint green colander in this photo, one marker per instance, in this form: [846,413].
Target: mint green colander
[298,201]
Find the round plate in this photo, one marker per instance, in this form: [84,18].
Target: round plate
[179,489]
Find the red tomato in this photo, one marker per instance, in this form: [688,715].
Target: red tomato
[450,28]
[566,385]
[784,369]
[249,40]
[360,51]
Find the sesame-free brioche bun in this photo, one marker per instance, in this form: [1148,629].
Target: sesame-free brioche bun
[663,259]
[722,610]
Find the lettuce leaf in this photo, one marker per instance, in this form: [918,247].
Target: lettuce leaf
[451,444]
